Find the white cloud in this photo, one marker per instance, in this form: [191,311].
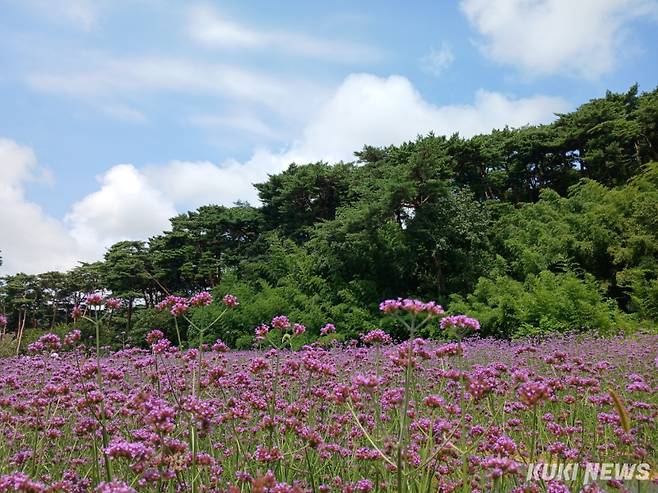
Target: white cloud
[437,61]
[194,183]
[110,79]
[209,27]
[30,240]
[542,37]
[126,207]
[124,112]
[134,203]
[81,14]
[365,109]
[380,111]
[242,122]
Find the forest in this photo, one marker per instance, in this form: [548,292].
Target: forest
[535,230]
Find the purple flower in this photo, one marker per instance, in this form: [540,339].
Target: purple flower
[20,482]
[77,312]
[412,306]
[154,336]
[72,337]
[170,300]
[115,487]
[220,347]
[261,331]
[231,301]
[364,486]
[327,329]
[280,322]
[204,298]
[377,336]
[180,308]
[298,329]
[113,303]
[460,322]
[531,393]
[94,299]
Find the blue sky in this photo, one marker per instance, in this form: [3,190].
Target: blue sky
[117,115]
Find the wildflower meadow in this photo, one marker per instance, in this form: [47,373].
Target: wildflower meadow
[459,414]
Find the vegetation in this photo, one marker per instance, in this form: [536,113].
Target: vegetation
[471,415]
[534,230]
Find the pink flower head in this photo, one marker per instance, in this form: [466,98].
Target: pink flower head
[367,382]
[390,306]
[434,401]
[94,299]
[327,329]
[161,346]
[280,322]
[51,341]
[170,300]
[203,298]
[364,486]
[264,454]
[261,331]
[3,321]
[531,393]
[460,322]
[72,337]
[231,301]
[377,336]
[298,329]
[433,308]
[113,303]
[154,336]
[180,308]
[412,306]
[114,487]
[77,312]
[19,481]
[450,349]
[220,346]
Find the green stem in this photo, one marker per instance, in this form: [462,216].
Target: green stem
[99,376]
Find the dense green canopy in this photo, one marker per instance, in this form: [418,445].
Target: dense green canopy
[535,229]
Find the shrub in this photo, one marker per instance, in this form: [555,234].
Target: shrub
[545,303]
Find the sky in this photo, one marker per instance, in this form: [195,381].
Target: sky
[116,115]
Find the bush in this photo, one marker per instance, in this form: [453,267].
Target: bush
[545,303]
[260,302]
[148,319]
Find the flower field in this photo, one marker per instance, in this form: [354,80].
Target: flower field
[371,415]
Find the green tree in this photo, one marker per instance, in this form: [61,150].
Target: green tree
[126,273]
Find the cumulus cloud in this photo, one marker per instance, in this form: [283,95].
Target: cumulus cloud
[125,207]
[211,28]
[135,203]
[555,36]
[30,240]
[380,111]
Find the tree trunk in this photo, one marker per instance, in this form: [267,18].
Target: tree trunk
[129,313]
[54,317]
[438,269]
[21,328]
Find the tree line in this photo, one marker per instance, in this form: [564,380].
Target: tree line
[533,230]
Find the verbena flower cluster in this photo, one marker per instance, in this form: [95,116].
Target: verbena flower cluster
[411,306]
[460,322]
[358,417]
